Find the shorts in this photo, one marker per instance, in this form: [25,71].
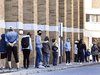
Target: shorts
[3,55]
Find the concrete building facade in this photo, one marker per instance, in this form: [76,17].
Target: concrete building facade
[45,15]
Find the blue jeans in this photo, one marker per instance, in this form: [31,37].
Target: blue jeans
[46,59]
[83,55]
[55,58]
[38,56]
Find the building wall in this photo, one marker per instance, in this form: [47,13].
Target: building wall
[45,15]
[95,3]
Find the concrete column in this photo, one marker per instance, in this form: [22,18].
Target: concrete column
[53,22]
[70,23]
[76,20]
[14,18]
[82,22]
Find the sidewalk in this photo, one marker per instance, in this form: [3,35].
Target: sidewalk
[32,70]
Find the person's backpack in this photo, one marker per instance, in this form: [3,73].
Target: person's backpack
[93,48]
[25,42]
[54,48]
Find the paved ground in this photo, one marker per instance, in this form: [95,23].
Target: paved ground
[59,68]
[88,70]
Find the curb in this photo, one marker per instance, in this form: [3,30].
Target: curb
[31,71]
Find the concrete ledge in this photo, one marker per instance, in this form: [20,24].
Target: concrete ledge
[32,70]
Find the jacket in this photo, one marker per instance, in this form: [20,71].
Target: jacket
[87,53]
[67,45]
[11,37]
[2,44]
[46,47]
[80,46]
[30,43]
[75,49]
[96,50]
[38,41]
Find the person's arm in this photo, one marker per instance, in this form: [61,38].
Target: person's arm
[6,39]
[17,37]
[30,44]
[65,46]
[37,40]
[49,46]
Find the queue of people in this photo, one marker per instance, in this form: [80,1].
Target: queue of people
[8,44]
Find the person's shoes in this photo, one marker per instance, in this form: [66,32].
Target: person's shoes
[10,68]
[80,63]
[48,66]
[70,64]
[27,67]
[40,66]
[67,64]
[0,68]
[45,66]
[18,68]
[40,63]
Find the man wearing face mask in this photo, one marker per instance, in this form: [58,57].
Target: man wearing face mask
[38,63]
[67,50]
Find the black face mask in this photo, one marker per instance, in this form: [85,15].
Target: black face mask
[39,33]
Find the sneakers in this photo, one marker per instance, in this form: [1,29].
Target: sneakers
[67,64]
[40,63]
[40,66]
[80,63]
[70,64]
[18,68]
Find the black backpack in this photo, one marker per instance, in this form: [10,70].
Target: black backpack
[25,42]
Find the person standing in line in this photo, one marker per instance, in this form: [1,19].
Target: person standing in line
[80,48]
[46,52]
[84,52]
[67,47]
[11,39]
[88,54]
[3,52]
[94,51]
[76,52]
[26,47]
[38,63]
[55,51]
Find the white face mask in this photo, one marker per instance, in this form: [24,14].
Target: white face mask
[55,40]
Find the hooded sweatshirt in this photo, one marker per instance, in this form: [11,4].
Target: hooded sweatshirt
[3,44]
[67,45]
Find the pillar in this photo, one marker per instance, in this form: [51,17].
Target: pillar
[14,18]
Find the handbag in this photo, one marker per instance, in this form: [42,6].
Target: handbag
[54,48]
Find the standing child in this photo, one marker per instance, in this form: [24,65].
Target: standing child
[88,54]
[76,51]
[3,52]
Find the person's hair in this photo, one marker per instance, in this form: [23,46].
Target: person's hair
[46,38]
[29,34]
[38,31]
[53,40]
[11,29]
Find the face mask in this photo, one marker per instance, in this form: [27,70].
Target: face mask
[40,34]
[68,40]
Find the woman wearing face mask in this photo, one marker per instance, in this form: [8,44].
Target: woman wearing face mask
[67,50]
[39,42]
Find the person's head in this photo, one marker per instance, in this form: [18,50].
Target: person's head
[29,34]
[39,32]
[3,36]
[46,38]
[88,49]
[94,44]
[53,40]
[11,28]
[81,41]
[76,42]
[67,39]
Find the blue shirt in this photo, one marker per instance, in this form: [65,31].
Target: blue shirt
[11,37]
[38,41]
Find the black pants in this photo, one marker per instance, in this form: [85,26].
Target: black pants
[76,58]
[26,53]
[67,56]
[80,55]
[85,57]
[96,57]
[9,53]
